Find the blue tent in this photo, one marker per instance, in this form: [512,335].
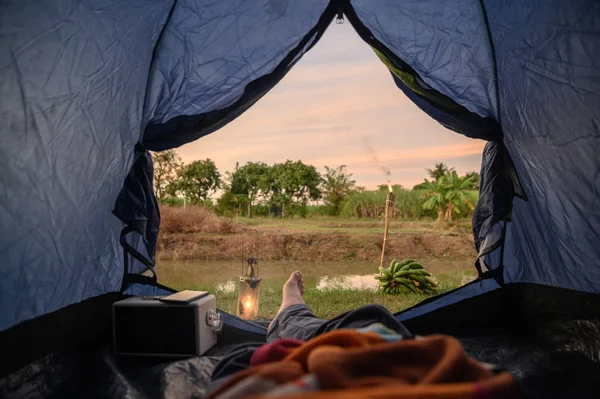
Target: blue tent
[89,87]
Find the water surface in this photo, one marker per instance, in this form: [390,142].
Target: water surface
[322,275]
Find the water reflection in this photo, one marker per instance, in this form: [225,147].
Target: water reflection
[224,275]
[228,286]
[361,282]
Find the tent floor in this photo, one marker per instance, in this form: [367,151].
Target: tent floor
[547,337]
[541,373]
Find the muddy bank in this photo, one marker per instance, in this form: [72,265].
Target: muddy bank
[304,246]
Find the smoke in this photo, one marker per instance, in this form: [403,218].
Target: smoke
[386,171]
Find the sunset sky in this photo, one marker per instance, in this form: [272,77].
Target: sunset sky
[338,101]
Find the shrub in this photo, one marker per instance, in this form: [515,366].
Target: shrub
[172,201]
[408,204]
[320,211]
[260,210]
[192,219]
[365,204]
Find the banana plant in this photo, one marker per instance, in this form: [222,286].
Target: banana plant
[446,195]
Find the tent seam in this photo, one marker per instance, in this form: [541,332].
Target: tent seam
[494,62]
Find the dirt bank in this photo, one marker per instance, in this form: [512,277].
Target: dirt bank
[306,246]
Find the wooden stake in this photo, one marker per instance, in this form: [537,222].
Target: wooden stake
[389,209]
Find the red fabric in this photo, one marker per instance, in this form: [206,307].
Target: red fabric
[274,351]
[352,365]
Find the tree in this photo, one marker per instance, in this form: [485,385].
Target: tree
[198,180]
[446,195]
[166,166]
[475,178]
[421,186]
[440,169]
[293,181]
[336,184]
[229,202]
[250,180]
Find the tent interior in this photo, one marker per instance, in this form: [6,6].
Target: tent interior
[90,87]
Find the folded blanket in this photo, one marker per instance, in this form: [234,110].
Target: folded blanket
[364,364]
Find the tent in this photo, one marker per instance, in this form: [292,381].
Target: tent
[88,87]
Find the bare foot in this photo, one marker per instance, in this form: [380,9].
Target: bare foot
[293,291]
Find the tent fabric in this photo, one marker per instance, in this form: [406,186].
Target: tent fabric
[496,193]
[216,59]
[73,78]
[544,371]
[548,103]
[445,42]
[446,110]
[137,207]
[80,83]
[549,80]
[211,50]
[85,82]
[467,124]
[471,290]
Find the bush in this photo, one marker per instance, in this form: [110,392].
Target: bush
[172,201]
[260,210]
[192,219]
[316,211]
[408,204]
[365,204]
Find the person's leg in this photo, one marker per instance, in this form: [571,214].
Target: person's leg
[296,320]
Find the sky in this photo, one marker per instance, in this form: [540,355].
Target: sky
[339,106]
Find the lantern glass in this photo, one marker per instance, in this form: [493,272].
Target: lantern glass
[248,297]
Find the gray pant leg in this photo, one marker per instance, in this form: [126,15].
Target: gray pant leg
[295,321]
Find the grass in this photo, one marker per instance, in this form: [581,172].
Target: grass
[357,226]
[326,304]
[330,302]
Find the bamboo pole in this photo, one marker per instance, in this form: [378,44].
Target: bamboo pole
[389,209]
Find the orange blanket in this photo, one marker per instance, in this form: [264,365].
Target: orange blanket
[351,364]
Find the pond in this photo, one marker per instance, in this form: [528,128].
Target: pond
[223,275]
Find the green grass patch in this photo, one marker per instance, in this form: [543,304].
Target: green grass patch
[326,303]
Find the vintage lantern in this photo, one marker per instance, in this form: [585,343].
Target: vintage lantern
[249,291]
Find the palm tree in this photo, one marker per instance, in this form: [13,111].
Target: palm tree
[440,169]
[446,195]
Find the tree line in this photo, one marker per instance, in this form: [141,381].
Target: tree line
[295,188]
